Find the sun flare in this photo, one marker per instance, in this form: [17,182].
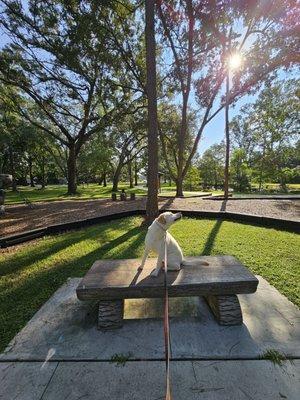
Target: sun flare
[235,61]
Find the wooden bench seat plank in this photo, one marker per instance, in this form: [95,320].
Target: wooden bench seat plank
[119,279]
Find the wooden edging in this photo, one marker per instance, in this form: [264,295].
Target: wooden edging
[221,198]
[289,225]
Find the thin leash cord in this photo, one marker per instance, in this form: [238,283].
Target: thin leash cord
[166,325]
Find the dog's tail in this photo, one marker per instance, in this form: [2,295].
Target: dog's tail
[186,263]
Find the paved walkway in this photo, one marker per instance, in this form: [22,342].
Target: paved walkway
[60,355]
[21,218]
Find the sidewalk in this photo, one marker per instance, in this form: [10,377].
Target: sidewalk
[60,355]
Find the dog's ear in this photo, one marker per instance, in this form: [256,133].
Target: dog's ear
[161,219]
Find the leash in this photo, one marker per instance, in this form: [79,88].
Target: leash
[166,324]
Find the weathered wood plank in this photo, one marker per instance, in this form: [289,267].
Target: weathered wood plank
[119,279]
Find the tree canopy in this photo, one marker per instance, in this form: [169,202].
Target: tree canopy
[76,78]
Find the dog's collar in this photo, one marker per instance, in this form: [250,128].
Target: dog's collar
[161,226]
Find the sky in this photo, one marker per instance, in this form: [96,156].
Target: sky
[215,130]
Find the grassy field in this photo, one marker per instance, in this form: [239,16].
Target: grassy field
[171,192]
[58,192]
[91,191]
[30,273]
[94,191]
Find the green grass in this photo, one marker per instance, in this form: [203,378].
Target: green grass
[58,192]
[167,190]
[275,356]
[121,359]
[30,273]
[94,191]
[91,191]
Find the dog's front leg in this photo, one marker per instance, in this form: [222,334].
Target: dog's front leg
[146,252]
[160,259]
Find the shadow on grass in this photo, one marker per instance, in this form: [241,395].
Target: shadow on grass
[20,300]
[16,262]
[207,249]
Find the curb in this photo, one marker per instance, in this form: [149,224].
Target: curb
[220,198]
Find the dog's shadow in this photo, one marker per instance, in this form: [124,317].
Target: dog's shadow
[154,280]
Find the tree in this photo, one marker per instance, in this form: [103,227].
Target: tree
[13,141]
[240,171]
[197,36]
[129,141]
[23,150]
[170,136]
[152,174]
[211,166]
[95,160]
[267,130]
[64,59]
[192,178]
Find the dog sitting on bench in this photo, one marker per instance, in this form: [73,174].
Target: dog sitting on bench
[155,240]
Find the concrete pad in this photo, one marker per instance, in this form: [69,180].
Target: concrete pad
[218,380]
[24,380]
[65,329]
[270,321]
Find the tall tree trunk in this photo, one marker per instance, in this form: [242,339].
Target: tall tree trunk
[116,177]
[227,141]
[262,167]
[152,173]
[186,87]
[72,181]
[30,172]
[130,174]
[179,186]
[104,179]
[135,173]
[43,173]
[12,169]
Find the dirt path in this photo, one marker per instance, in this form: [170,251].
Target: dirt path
[20,218]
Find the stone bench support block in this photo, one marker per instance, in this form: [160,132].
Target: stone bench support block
[110,314]
[226,309]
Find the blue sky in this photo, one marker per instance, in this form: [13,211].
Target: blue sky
[215,130]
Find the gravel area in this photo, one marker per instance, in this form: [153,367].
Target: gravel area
[20,218]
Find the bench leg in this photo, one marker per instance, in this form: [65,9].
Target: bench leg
[226,309]
[110,314]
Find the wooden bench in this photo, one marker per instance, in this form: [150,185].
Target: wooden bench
[113,281]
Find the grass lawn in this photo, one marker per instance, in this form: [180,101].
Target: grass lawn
[58,192]
[94,191]
[167,190]
[30,273]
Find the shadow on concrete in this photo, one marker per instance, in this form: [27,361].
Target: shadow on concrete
[31,291]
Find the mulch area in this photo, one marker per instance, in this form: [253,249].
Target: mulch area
[21,218]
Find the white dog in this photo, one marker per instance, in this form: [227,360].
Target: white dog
[155,240]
